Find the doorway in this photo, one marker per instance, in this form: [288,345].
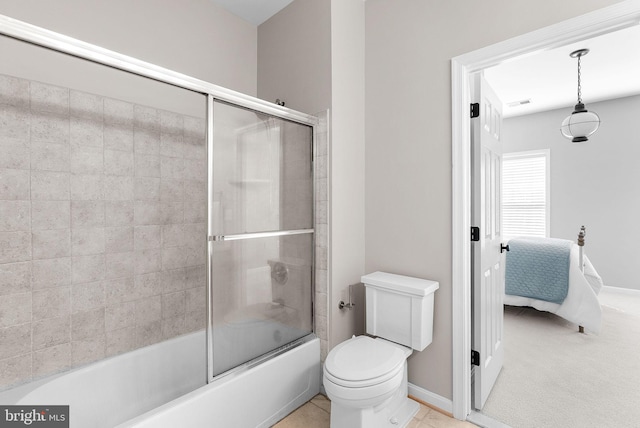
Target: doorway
[590,25]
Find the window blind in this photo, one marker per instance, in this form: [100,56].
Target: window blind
[525,197]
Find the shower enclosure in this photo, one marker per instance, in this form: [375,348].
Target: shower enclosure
[156,231]
[260,235]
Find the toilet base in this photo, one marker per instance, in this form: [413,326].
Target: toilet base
[374,417]
[395,412]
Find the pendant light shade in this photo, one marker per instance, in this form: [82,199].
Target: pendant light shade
[581,123]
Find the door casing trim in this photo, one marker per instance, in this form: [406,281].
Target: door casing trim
[612,18]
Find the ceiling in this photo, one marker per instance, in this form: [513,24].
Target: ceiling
[549,79]
[253,11]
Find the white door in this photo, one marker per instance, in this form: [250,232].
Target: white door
[487,258]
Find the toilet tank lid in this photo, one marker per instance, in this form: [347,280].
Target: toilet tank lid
[405,284]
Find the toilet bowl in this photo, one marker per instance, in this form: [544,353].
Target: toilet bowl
[363,372]
[366,381]
[366,378]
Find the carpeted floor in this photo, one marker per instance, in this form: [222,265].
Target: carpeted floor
[555,377]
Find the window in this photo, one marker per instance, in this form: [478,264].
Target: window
[525,197]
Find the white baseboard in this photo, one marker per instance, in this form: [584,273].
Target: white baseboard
[621,290]
[431,398]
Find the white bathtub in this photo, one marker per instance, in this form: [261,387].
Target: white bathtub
[167,381]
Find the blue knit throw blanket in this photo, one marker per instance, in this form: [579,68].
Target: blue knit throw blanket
[538,268]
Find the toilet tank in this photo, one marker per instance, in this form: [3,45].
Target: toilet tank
[400,308]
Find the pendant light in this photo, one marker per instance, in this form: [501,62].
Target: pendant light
[581,123]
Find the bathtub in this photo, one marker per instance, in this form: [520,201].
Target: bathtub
[136,389]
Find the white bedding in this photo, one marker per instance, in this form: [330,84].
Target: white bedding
[581,306]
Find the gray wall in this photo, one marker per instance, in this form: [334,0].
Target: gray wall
[593,183]
[294,56]
[409,45]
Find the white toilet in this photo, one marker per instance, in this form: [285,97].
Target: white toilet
[366,378]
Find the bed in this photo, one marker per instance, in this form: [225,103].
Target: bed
[577,303]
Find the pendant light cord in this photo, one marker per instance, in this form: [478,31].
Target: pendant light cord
[579,86]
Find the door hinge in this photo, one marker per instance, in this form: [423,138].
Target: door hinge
[475,358]
[475,233]
[475,110]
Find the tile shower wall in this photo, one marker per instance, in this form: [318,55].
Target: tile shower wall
[102,226]
[322,233]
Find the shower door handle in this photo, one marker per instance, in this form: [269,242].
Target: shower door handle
[239,236]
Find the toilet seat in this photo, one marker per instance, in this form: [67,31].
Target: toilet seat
[363,361]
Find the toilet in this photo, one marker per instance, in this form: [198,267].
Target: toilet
[365,377]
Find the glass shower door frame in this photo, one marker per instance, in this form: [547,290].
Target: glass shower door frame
[213,238]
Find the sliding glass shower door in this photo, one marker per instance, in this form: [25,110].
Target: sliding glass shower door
[260,235]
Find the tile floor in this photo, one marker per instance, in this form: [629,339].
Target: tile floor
[315,414]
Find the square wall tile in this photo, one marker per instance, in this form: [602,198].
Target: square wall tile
[14,91]
[120,341]
[118,112]
[15,123]
[14,184]
[87,241]
[118,239]
[15,278]
[50,186]
[86,214]
[86,187]
[51,360]
[48,156]
[51,273]
[87,160]
[49,127]
[14,153]
[116,137]
[85,133]
[51,332]
[15,309]
[120,316]
[47,215]
[85,297]
[49,98]
[85,105]
[118,265]
[15,370]
[118,188]
[15,247]
[15,216]
[117,162]
[88,350]
[51,244]
[148,334]
[88,268]
[146,117]
[119,213]
[87,325]
[51,303]
[146,141]
[16,340]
